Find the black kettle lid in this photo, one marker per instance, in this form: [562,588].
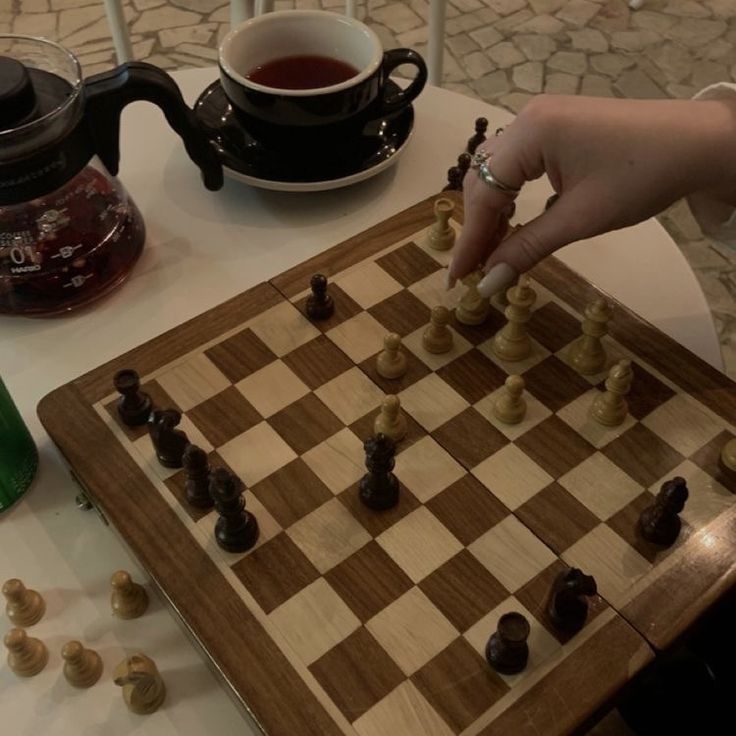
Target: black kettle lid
[17,98]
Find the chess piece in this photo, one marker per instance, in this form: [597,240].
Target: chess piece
[82,667]
[473,309]
[728,456]
[27,656]
[507,651]
[379,488]
[510,407]
[390,420]
[134,406]
[587,355]
[454,180]
[127,599]
[511,342]
[441,235]
[168,441]
[24,607]
[437,337]
[237,529]
[391,362]
[143,688]
[660,523]
[481,126]
[463,163]
[568,605]
[197,484]
[320,304]
[609,407]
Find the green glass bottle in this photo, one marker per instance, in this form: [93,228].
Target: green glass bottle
[18,454]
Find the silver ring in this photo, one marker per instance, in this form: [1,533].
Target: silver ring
[487,176]
[479,158]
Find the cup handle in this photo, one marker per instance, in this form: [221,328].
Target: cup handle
[393,59]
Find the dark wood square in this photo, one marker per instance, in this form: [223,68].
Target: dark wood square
[642,454]
[463,590]
[473,375]
[408,264]
[160,399]
[470,438]
[415,371]
[318,361]
[459,684]
[177,485]
[240,355]
[476,334]
[402,313]
[275,571]
[647,392]
[357,673]
[468,509]
[305,423]
[368,581]
[363,429]
[376,522]
[345,308]
[224,416]
[557,517]
[554,383]
[555,446]
[708,458]
[553,327]
[292,492]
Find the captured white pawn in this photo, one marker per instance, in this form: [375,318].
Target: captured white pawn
[437,337]
[128,599]
[728,455]
[610,407]
[82,667]
[391,420]
[391,362]
[441,235]
[510,407]
[27,656]
[473,309]
[24,607]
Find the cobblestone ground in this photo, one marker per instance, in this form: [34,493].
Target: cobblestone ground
[503,51]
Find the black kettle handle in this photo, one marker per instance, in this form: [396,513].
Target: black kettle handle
[109,92]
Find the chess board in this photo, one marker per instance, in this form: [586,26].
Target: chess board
[344,620]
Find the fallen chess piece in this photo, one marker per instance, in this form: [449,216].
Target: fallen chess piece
[473,309]
[390,420]
[587,355]
[391,362]
[143,688]
[512,343]
[610,407]
[27,656]
[568,604]
[510,407]
[379,488]
[660,523]
[441,235]
[134,406]
[437,338]
[197,484]
[127,599]
[728,456]
[507,651]
[320,304]
[168,441]
[236,530]
[82,667]
[24,607]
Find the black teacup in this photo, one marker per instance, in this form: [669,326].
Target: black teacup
[301,77]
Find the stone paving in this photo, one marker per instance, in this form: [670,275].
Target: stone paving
[503,51]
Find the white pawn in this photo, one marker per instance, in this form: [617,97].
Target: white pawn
[437,337]
[441,235]
[511,342]
[82,667]
[510,407]
[25,607]
[609,407]
[27,656]
[128,599]
[391,362]
[473,309]
[587,355]
[390,420]
[728,455]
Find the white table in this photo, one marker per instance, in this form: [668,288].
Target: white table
[202,249]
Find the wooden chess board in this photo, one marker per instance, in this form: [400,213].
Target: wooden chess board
[347,621]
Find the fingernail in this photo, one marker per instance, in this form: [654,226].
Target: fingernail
[450,281]
[498,278]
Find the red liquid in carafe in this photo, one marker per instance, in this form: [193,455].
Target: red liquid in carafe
[63,250]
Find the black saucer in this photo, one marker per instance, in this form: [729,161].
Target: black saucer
[240,152]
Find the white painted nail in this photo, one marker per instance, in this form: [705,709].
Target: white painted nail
[498,278]
[450,281]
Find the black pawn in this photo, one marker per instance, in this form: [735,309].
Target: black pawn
[168,441]
[319,303]
[454,180]
[463,162]
[507,651]
[660,523]
[481,126]
[237,529]
[134,406]
[568,604]
[379,488]
[197,484]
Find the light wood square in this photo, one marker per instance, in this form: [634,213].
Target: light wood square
[614,564]
[512,476]
[350,396]
[512,553]
[426,468]
[403,712]
[283,328]
[256,454]
[542,645]
[272,388]
[314,620]
[192,382]
[412,630]
[328,535]
[536,412]
[683,423]
[359,337]
[339,461]
[537,355]
[368,284]
[432,402]
[419,543]
[413,342]
[431,289]
[601,486]
[577,415]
